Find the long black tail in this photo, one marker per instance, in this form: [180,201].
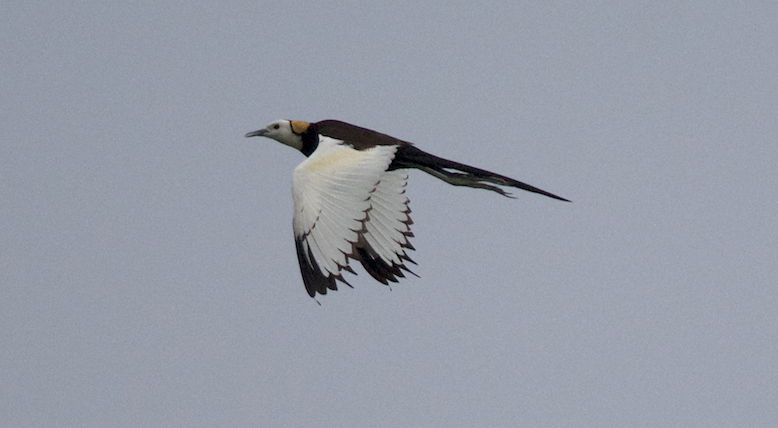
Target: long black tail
[408,156]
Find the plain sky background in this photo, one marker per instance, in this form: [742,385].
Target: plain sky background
[148,275]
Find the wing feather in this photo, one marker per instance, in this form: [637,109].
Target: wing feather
[331,192]
[380,218]
[347,205]
[387,229]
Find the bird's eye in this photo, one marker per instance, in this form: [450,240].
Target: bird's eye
[276,126]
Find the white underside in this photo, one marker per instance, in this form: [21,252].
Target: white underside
[341,194]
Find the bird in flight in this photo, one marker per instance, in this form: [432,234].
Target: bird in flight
[349,198]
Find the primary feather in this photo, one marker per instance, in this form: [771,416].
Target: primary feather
[349,198]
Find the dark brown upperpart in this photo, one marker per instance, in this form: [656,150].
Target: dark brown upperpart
[355,136]
[409,156]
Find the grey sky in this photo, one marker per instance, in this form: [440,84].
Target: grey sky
[147,268]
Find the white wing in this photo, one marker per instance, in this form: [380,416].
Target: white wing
[347,205]
[387,229]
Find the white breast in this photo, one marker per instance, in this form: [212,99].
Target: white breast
[343,197]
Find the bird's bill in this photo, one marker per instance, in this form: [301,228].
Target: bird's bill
[257,133]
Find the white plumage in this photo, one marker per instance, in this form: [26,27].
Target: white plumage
[349,198]
[341,194]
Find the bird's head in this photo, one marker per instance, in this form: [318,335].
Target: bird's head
[287,132]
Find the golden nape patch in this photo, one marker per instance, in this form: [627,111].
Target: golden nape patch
[299,126]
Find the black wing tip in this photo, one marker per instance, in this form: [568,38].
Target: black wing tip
[314,280]
[321,283]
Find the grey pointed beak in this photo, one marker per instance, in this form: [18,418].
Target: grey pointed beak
[257,133]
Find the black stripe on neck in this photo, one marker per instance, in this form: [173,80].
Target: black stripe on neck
[310,139]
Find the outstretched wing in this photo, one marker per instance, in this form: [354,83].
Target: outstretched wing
[332,192]
[382,246]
